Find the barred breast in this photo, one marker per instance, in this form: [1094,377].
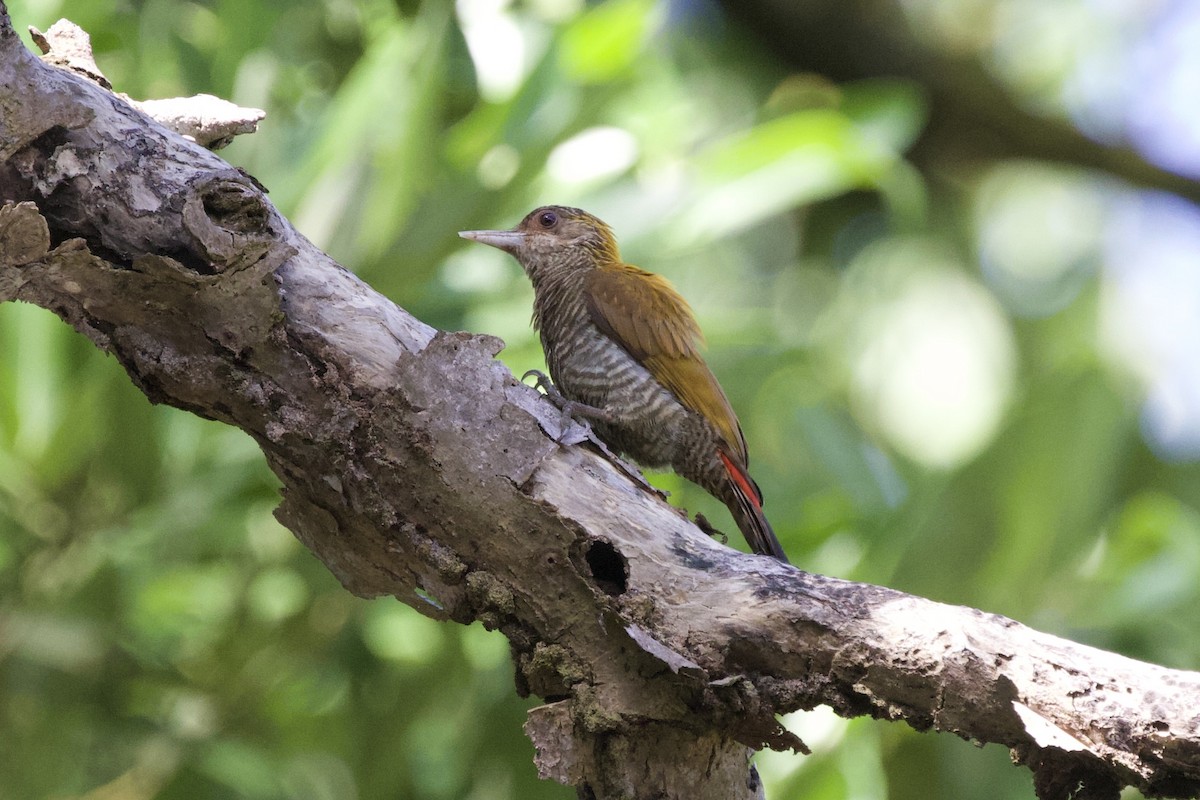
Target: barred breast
[651,426]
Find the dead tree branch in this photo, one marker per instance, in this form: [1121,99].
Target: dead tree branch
[414,465]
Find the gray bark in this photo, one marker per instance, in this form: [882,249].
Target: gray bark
[413,464]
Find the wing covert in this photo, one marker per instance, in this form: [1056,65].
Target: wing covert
[646,316]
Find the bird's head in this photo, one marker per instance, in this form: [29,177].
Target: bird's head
[554,238]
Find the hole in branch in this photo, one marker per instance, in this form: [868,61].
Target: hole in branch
[608,567]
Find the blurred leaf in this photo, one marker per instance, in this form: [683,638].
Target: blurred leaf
[242,767]
[604,43]
[799,158]
[163,634]
[893,112]
[188,604]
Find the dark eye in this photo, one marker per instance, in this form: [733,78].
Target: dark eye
[547,219]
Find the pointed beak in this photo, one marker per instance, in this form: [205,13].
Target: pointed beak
[508,241]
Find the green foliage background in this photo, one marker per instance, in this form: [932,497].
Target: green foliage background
[161,636]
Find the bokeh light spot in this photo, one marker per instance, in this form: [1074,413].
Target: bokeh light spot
[931,356]
[596,153]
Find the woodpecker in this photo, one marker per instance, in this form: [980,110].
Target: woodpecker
[624,348]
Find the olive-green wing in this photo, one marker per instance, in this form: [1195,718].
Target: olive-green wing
[647,317]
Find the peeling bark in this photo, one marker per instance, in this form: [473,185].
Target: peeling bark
[413,464]
[207,120]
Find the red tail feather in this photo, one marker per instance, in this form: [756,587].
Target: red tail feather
[745,484]
[747,511]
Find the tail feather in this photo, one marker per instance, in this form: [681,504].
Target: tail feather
[747,511]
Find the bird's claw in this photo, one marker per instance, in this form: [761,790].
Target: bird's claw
[543,381]
[572,410]
[703,524]
[567,410]
[578,415]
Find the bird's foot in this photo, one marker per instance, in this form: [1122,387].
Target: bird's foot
[703,524]
[542,381]
[572,411]
[570,429]
[573,427]
[572,408]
